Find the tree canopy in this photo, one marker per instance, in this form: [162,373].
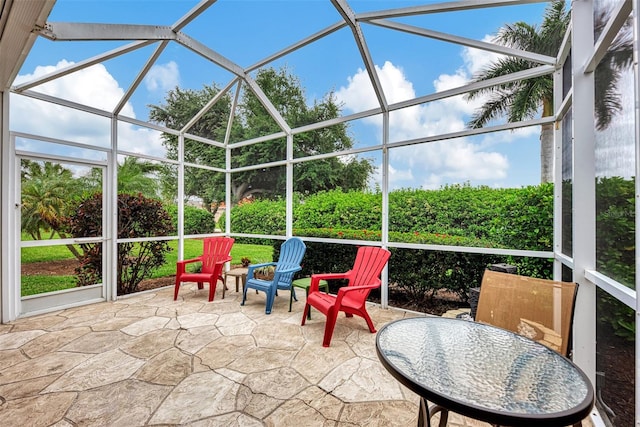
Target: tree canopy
[251,120]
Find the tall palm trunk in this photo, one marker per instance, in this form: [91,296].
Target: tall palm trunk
[546,153]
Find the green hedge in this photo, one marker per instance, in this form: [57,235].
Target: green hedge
[196,220]
[459,210]
[458,215]
[514,218]
[257,217]
[519,218]
[417,273]
[351,210]
[615,229]
[615,248]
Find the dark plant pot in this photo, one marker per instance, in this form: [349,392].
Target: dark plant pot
[263,276]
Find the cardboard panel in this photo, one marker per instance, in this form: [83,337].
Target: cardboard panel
[536,308]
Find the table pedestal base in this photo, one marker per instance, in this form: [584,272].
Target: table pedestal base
[444,413]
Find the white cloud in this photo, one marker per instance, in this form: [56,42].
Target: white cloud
[434,164]
[476,59]
[162,77]
[93,86]
[400,175]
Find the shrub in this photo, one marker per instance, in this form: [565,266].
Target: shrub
[616,248]
[196,220]
[615,231]
[138,216]
[418,273]
[458,215]
[459,210]
[258,217]
[519,218]
[351,210]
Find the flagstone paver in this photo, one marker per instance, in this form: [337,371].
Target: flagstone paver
[148,360]
[99,407]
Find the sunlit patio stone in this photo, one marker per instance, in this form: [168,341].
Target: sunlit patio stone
[191,362]
[198,396]
[40,410]
[151,344]
[18,339]
[99,370]
[379,414]
[224,350]
[167,368]
[195,339]
[143,326]
[96,342]
[47,364]
[95,407]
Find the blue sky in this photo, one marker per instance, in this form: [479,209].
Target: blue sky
[248,31]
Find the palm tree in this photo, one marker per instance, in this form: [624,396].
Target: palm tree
[48,190]
[134,176]
[139,176]
[45,191]
[526,98]
[619,57]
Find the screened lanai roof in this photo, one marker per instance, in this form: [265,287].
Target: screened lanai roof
[104,56]
[398,69]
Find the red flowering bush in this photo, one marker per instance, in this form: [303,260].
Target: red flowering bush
[138,216]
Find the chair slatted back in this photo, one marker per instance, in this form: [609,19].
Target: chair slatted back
[368,265]
[291,254]
[214,249]
[536,308]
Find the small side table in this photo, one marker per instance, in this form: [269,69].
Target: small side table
[239,273]
[305,283]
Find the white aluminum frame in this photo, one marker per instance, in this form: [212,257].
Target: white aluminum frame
[585,57]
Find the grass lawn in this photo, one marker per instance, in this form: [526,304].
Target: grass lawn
[32,285]
[35,284]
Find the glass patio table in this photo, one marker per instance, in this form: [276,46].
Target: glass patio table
[484,372]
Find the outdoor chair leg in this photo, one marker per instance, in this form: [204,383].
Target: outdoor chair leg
[305,313]
[367,318]
[307,296]
[177,288]
[292,295]
[332,316]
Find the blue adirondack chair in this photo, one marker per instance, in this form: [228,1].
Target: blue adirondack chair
[291,253]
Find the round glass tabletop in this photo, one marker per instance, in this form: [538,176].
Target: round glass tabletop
[488,372]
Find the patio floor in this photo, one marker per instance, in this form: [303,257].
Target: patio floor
[147,360]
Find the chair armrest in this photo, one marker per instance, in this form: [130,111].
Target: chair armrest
[254,266]
[315,279]
[278,273]
[346,289]
[181,265]
[343,291]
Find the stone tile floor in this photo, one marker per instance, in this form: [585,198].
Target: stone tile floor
[148,360]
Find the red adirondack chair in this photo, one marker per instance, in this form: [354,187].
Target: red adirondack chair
[351,299]
[215,252]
